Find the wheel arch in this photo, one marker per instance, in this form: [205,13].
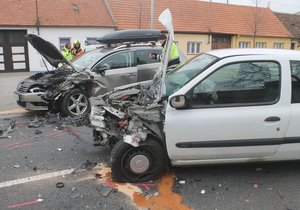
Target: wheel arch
[163,144]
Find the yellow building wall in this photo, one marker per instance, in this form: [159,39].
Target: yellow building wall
[270,41]
[205,39]
[183,39]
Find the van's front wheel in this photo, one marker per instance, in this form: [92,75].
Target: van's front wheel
[137,164]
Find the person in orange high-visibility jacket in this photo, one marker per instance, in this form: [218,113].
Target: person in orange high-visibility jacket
[76,50]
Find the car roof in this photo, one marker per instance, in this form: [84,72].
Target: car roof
[222,53]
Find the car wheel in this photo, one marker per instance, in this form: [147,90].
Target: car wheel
[137,164]
[75,103]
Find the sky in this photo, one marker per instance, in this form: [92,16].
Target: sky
[282,6]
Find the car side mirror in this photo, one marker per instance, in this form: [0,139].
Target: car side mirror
[101,70]
[178,102]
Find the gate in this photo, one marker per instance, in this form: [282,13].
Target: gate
[13,51]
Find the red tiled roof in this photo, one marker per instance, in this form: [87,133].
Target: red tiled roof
[55,13]
[191,16]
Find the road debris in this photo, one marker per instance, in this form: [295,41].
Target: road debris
[255,186]
[77,121]
[38,131]
[60,149]
[280,194]
[5,130]
[53,118]
[60,185]
[77,196]
[98,176]
[17,166]
[35,122]
[182,182]
[104,190]
[202,192]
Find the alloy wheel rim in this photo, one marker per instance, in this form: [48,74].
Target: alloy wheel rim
[78,104]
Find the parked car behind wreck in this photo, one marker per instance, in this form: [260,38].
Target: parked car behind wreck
[68,88]
[223,106]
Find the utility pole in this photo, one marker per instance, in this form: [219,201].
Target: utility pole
[37,22]
[152,14]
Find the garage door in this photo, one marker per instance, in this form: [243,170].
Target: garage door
[13,51]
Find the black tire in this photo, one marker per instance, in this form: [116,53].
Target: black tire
[149,154]
[82,107]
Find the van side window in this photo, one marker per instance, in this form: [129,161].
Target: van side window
[295,74]
[240,84]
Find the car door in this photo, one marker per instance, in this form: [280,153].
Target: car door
[146,66]
[115,70]
[293,133]
[237,110]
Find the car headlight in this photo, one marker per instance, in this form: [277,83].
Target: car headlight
[37,90]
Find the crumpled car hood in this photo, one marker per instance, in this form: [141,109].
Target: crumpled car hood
[47,50]
[128,113]
[49,77]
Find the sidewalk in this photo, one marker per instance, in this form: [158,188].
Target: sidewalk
[8,84]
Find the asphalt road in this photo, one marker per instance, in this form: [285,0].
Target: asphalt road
[42,160]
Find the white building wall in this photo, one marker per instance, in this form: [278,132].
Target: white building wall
[52,34]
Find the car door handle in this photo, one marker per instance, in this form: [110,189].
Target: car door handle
[272,119]
[132,74]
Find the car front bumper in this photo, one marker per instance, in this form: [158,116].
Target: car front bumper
[31,101]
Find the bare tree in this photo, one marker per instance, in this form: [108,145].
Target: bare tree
[143,14]
[255,20]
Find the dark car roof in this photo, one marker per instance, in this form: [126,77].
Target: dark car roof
[131,35]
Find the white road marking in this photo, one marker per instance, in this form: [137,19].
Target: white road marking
[35,178]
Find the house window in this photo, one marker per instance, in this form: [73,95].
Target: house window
[244,44]
[193,47]
[63,41]
[260,45]
[91,40]
[278,45]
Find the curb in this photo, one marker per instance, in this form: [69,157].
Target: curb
[14,113]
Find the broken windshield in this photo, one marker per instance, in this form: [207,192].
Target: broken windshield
[87,59]
[185,73]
